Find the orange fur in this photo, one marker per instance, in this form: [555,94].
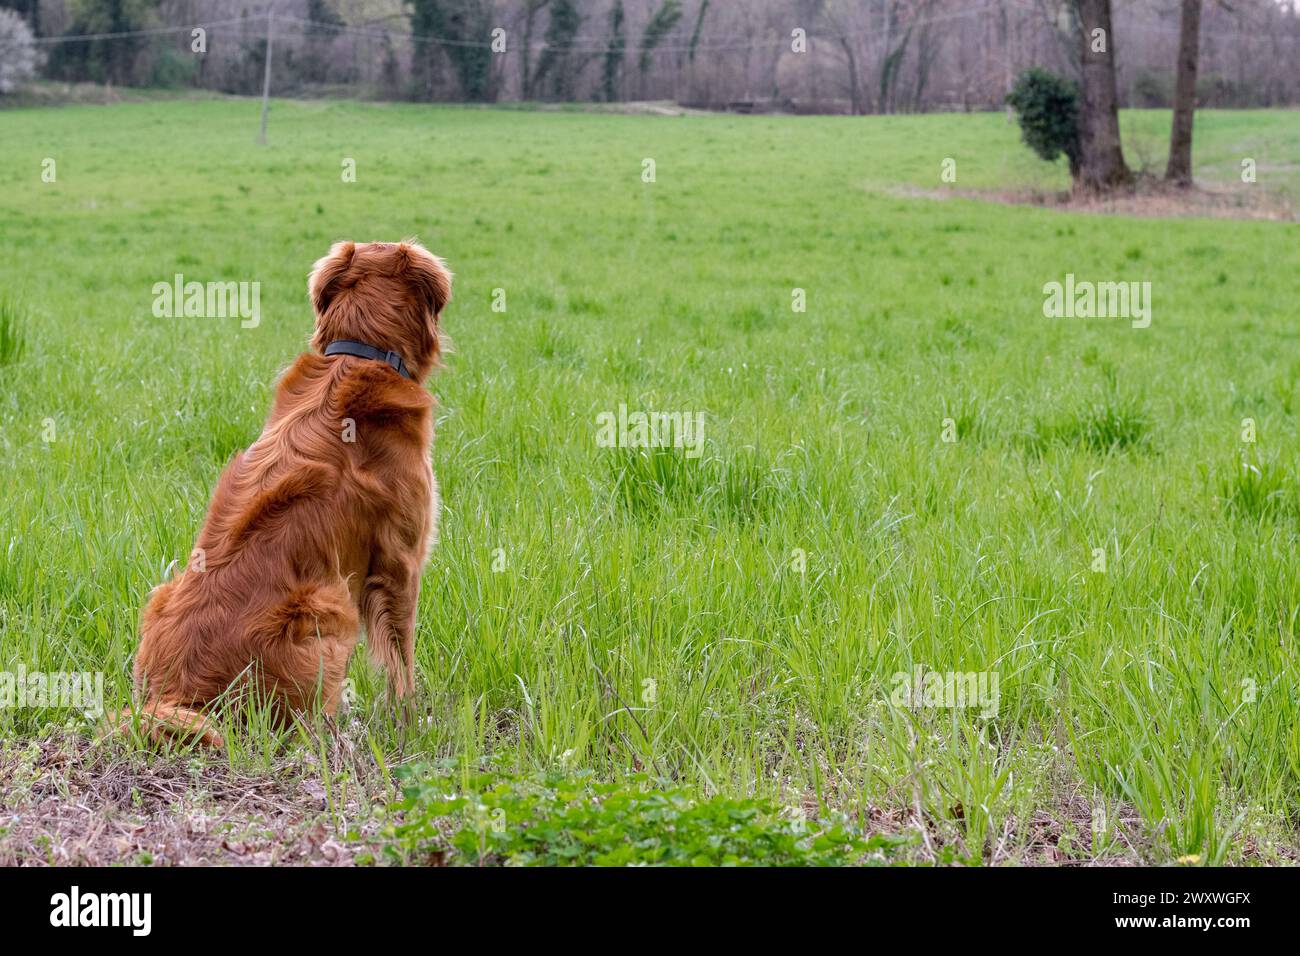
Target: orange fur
[308,537]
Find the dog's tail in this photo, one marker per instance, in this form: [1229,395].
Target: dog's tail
[162,720]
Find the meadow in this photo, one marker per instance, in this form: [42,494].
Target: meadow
[917,470]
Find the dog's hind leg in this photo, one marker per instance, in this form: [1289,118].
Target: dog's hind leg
[161,721]
[304,645]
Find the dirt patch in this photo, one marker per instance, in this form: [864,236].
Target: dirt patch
[69,802]
[54,93]
[1149,200]
[629,108]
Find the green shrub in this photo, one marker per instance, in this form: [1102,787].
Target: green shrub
[554,819]
[172,69]
[1048,109]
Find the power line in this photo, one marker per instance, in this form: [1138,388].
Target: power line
[123,34]
[576,45]
[600,44]
[600,47]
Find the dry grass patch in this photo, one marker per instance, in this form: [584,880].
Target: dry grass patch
[65,801]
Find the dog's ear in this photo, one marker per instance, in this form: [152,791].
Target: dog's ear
[428,275]
[328,275]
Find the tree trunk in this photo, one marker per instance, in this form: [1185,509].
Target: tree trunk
[1101,157]
[855,90]
[1179,169]
[531,9]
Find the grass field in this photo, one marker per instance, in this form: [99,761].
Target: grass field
[1098,538]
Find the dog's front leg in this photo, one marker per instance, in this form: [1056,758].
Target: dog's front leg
[388,604]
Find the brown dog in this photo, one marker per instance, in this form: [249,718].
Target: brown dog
[324,523]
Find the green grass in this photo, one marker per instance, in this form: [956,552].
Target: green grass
[734,622]
[12,339]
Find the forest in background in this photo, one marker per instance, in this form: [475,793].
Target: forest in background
[808,56]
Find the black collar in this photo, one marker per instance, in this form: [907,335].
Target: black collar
[362,350]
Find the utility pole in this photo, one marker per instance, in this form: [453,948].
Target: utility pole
[266,76]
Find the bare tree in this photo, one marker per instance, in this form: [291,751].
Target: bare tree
[839,25]
[895,15]
[531,9]
[1179,169]
[1101,157]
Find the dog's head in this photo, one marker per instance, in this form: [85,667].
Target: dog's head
[386,294]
